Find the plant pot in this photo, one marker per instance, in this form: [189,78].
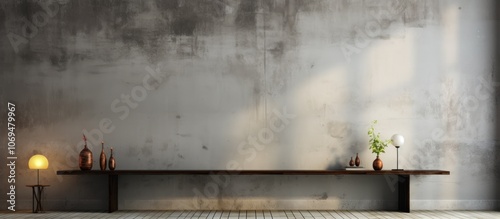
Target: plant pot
[378,164]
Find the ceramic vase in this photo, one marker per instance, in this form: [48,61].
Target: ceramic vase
[102,158]
[85,158]
[112,161]
[357,161]
[378,164]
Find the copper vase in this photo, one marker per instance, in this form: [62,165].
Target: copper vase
[85,159]
[378,164]
[112,162]
[351,163]
[357,161]
[102,158]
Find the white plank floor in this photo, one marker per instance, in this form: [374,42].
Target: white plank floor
[257,214]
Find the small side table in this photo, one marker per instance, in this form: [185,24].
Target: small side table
[37,196]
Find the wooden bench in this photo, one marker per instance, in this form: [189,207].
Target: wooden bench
[403,178]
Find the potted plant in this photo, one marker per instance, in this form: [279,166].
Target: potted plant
[377,146]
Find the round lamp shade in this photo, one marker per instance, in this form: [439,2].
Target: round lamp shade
[398,140]
[38,162]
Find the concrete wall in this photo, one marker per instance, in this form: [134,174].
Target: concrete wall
[283,84]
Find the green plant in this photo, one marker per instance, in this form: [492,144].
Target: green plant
[377,145]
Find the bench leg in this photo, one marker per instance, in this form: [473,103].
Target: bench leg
[404,193]
[113,193]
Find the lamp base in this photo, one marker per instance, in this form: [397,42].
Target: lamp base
[397,169]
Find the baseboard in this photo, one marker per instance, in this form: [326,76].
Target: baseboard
[261,204]
[66,205]
[255,204]
[454,204]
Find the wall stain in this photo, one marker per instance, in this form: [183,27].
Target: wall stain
[147,25]
[185,135]
[137,24]
[290,15]
[338,129]
[185,22]
[278,50]
[245,18]
[419,13]
[147,148]
[190,17]
[323,196]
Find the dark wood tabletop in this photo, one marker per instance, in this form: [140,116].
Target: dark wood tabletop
[253,172]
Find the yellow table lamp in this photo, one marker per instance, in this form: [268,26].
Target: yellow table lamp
[38,162]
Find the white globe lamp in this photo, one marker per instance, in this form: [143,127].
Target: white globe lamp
[397,140]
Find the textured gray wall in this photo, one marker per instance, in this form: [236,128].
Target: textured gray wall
[280,84]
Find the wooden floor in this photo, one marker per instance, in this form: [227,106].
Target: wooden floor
[258,214]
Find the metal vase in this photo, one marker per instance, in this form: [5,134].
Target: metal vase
[102,159]
[112,161]
[85,159]
[357,161]
[351,162]
[378,164]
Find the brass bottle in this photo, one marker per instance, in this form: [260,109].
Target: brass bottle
[102,158]
[112,162]
[85,159]
[357,161]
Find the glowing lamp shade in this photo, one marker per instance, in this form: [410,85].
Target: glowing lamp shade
[38,162]
[398,140]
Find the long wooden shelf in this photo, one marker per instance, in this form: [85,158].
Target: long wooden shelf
[253,172]
[403,178]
